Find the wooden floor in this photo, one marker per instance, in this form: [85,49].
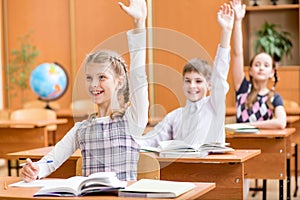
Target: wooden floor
[272,186]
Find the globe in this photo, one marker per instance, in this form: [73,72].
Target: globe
[49,81]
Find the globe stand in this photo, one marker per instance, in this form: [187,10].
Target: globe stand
[48,106]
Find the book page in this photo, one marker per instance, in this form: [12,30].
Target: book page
[36,183]
[177,145]
[241,127]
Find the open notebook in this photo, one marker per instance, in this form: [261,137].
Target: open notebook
[178,148]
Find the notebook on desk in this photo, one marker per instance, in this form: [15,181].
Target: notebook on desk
[179,149]
[240,128]
[148,188]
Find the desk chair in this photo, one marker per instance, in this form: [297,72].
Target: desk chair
[83,105]
[148,167]
[293,104]
[79,167]
[41,104]
[36,114]
[4,115]
[32,114]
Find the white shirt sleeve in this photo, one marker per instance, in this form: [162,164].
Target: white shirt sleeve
[219,90]
[61,152]
[137,113]
[161,132]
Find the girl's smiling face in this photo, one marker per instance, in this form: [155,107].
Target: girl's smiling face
[195,86]
[101,83]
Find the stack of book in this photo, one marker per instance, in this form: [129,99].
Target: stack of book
[240,128]
[179,149]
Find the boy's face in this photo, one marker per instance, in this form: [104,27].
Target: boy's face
[100,82]
[195,86]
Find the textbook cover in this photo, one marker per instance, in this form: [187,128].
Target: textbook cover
[150,188]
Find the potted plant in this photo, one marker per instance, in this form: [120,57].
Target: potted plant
[19,67]
[274,42]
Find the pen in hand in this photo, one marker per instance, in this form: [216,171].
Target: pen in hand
[43,162]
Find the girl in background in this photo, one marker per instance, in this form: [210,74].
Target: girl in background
[256,104]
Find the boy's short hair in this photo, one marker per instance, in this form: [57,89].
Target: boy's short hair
[199,66]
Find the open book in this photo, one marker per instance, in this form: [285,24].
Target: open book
[178,148]
[148,188]
[79,185]
[240,128]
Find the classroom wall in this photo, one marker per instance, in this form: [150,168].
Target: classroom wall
[192,31]
[65,31]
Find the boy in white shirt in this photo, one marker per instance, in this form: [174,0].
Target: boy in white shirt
[202,119]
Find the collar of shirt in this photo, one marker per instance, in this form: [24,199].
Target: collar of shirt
[193,107]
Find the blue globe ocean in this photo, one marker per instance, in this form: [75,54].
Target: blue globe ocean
[49,81]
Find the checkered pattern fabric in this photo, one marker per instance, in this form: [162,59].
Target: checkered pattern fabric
[106,146]
[259,111]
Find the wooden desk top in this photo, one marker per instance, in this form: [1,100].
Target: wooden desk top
[272,133]
[237,156]
[17,193]
[33,123]
[38,153]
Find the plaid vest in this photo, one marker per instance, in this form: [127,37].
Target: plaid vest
[108,147]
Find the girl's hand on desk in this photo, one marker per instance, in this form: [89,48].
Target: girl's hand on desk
[30,171]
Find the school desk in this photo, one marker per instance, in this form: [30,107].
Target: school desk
[18,135]
[29,134]
[17,193]
[226,170]
[67,169]
[274,160]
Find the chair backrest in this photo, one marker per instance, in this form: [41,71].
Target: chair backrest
[230,119]
[79,167]
[41,104]
[4,114]
[290,104]
[148,167]
[34,114]
[85,106]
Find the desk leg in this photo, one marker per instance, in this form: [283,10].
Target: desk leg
[9,167]
[281,189]
[288,179]
[264,189]
[296,169]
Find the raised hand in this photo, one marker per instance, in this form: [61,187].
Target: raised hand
[137,10]
[239,9]
[226,17]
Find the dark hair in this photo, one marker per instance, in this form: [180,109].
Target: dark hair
[199,66]
[117,63]
[254,92]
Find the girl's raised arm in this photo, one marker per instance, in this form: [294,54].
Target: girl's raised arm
[237,58]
